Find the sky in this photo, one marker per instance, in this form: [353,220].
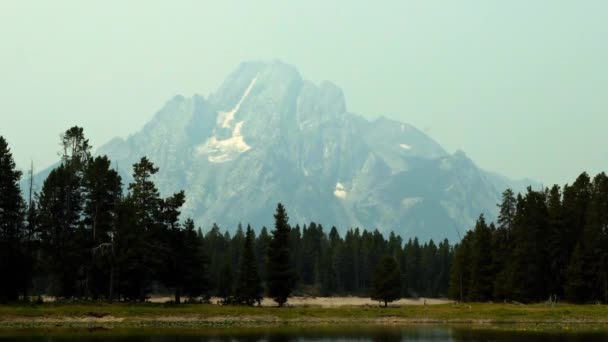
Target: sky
[521,86]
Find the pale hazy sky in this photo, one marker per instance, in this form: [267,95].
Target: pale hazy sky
[521,86]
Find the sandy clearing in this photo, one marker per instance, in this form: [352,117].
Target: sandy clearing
[331,302]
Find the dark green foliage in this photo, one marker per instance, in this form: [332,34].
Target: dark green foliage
[216,248]
[225,284]
[95,243]
[80,238]
[192,263]
[65,243]
[482,273]
[261,251]
[387,281]
[281,278]
[576,288]
[145,196]
[460,273]
[59,218]
[15,263]
[248,290]
[549,245]
[102,196]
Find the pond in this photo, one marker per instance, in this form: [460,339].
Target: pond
[315,334]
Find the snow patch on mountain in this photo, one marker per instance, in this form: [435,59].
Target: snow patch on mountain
[410,202]
[221,151]
[227,117]
[340,192]
[307,151]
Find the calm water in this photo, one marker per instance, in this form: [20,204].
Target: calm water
[314,334]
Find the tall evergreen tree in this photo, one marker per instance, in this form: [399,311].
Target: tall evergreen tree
[103,192]
[142,236]
[261,253]
[281,279]
[15,265]
[482,275]
[507,210]
[557,245]
[216,247]
[530,264]
[576,289]
[248,286]
[226,283]
[190,272]
[460,273]
[61,204]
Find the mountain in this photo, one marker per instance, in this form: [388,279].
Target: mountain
[267,136]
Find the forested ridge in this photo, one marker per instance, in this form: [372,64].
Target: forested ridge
[83,237]
[548,245]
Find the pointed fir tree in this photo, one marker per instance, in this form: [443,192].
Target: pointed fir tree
[248,289]
[193,279]
[261,252]
[142,249]
[64,242]
[576,289]
[103,192]
[281,279]
[482,275]
[14,263]
[226,284]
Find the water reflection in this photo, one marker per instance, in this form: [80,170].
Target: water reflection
[311,334]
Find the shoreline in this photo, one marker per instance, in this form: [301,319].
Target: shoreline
[113,316]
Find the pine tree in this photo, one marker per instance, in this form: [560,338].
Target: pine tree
[193,263]
[261,252]
[61,203]
[216,248]
[173,244]
[236,247]
[412,255]
[145,195]
[15,265]
[482,275]
[103,192]
[576,289]
[558,246]
[226,284]
[141,246]
[387,281]
[529,264]
[281,279]
[133,273]
[507,210]
[460,273]
[445,263]
[248,287]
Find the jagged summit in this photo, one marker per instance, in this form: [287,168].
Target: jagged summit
[267,135]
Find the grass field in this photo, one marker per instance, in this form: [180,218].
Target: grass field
[191,315]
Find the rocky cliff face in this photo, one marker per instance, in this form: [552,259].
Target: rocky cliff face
[268,136]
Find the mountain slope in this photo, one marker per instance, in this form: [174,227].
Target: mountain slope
[266,135]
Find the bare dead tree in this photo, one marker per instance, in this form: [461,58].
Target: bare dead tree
[103,249]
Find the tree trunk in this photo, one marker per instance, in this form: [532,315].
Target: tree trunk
[178,298]
[605,290]
[111,290]
[386,304]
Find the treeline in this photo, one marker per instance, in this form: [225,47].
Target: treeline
[82,237]
[327,264]
[547,245]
